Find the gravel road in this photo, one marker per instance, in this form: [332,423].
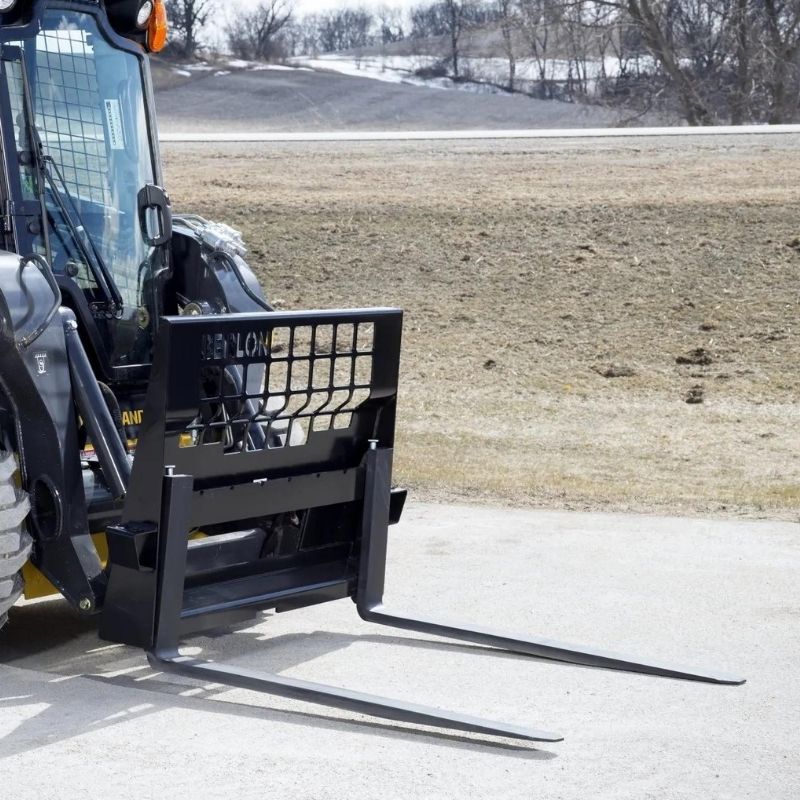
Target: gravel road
[79,719]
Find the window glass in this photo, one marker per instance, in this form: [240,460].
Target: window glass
[91,116]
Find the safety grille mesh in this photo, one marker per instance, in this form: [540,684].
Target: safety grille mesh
[69,112]
[277,389]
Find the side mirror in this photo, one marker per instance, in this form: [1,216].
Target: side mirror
[155,215]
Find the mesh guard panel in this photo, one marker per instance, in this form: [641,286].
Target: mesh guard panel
[256,397]
[308,378]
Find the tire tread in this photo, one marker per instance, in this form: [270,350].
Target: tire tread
[15,542]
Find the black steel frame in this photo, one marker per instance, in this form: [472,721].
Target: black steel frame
[360,479]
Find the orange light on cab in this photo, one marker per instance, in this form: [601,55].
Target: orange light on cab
[158,28]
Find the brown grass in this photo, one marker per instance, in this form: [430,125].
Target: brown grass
[526,271]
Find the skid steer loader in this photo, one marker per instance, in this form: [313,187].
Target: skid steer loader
[176,455]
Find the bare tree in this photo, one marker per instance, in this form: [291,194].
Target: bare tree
[455,13]
[186,19]
[576,37]
[656,21]
[293,38]
[428,21]
[508,14]
[447,19]
[676,33]
[742,38]
[708,60]
[303,35]
[390,24]
[538,23]
[734,58]
[344,29]
[254,34]
[782,46]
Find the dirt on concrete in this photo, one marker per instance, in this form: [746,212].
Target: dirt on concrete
[557,296]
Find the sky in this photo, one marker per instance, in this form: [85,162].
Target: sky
[312,6]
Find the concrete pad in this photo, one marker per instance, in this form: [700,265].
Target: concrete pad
[81,719]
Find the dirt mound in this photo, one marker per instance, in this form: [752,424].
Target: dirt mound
[699,357]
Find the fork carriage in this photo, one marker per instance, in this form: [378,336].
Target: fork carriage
[209,456]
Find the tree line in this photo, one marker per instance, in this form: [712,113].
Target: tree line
[709,61]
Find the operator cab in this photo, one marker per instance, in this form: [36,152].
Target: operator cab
[82,168]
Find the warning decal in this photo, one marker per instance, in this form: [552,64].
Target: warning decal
[116,134]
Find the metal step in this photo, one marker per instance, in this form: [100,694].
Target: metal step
[264,590]
[223,550]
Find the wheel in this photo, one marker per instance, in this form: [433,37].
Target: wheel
[15,542]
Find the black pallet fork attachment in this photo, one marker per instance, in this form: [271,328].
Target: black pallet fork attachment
[255,417]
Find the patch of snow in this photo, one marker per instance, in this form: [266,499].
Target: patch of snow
[279,68]
[183,72]
[484,75]
[222,72]
[348,66]
[238,63]
[200,67]
[395,69]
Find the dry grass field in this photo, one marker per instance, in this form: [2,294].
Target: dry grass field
[562,303]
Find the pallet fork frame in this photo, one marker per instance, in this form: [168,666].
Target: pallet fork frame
[371,496]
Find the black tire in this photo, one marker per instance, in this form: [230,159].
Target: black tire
[15,542]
